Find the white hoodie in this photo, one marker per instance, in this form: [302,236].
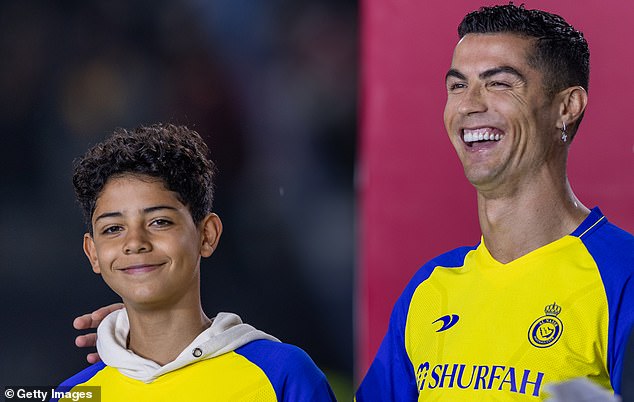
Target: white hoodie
[226,333]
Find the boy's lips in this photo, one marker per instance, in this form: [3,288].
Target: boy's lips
[139,268]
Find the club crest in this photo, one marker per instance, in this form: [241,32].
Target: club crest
[547,329]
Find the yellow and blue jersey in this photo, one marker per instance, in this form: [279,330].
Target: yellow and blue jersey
[470,328]
[260,371]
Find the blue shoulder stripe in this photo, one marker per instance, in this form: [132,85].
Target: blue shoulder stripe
[613,251]
[452,259]
[294,376]
[390,377]
[80,378]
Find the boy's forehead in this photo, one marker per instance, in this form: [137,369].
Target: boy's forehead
[142,181]
[135,176]
[133,191]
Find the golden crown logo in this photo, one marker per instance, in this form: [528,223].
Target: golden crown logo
[552,309]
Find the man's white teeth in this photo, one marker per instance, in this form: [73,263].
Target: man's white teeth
[481,136]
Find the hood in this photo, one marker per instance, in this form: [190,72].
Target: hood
[226,333]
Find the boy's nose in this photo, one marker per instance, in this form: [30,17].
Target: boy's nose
[136,242]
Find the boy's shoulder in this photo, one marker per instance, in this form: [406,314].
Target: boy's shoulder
[271,354]
[289,369]
[84,375]
[79,378]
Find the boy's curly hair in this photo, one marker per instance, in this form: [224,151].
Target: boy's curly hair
[173,154]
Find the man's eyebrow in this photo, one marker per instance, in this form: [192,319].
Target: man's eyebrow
[117,214]
[487,74]
[500,70]
[454,73]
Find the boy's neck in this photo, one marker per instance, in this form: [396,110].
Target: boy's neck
[161,335]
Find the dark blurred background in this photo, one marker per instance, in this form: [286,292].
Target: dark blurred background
[270,84]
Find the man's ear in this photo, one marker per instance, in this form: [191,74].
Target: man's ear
[91,253]
[211,231]
[573,103]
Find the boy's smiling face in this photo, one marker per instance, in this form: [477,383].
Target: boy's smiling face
[145,243]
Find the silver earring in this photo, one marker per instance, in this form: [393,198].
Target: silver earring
[564,135]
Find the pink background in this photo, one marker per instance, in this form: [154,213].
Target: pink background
[414,200]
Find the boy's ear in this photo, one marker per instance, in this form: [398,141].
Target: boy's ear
[91,253]
[211,231]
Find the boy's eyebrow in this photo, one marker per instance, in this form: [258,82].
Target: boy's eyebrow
[108,215]
[159,207]
[116,214]
[487,73]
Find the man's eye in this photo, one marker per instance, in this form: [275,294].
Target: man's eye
[499,84]
[457,86]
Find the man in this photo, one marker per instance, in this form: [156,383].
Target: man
[546,296]
[147,195]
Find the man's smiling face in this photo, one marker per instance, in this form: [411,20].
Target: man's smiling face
[498,116]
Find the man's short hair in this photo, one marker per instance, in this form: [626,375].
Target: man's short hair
[561,52]
[173,154]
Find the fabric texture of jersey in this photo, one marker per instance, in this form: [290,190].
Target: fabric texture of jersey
[230,361]
[470,328]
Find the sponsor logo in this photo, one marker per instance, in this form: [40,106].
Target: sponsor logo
[448,321]
[478,377]
[546,330]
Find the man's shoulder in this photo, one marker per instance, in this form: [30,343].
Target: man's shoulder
[451,259]
[598,229]
[610,246]
[617,234]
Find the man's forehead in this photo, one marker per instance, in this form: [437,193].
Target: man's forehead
[492,50]
[495,40]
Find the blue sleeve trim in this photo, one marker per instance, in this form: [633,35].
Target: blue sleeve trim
[391,377]
[613,251]
[80,378]
[294,376]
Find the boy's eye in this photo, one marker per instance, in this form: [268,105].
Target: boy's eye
[160,222]
[111,229]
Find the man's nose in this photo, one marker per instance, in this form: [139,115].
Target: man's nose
[472,100]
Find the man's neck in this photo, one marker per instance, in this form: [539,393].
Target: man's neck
[521,221]
[161,335]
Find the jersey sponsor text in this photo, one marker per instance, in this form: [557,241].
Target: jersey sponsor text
[479,377]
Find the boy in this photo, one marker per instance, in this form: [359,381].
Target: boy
[146,195]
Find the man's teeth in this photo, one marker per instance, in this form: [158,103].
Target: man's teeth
[479,135]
